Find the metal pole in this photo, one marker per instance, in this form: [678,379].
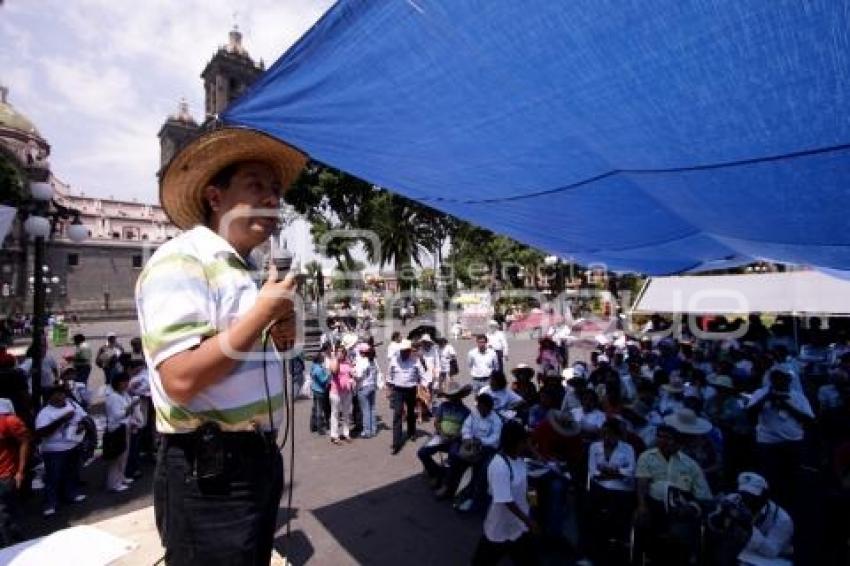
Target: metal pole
[38,321]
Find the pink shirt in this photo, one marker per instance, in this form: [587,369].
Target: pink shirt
[342,382]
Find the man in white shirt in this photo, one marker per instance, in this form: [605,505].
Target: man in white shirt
[504,398]
[782,412]
[496,340]
[479,441]
[508,524]
[405,374]
[611,486]
[482,362]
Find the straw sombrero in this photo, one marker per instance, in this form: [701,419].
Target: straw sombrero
[183,182]
[455,390]
[687,422]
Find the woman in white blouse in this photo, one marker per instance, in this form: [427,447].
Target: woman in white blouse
[611,487]
[119,410]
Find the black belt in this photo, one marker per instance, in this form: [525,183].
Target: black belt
[246,441]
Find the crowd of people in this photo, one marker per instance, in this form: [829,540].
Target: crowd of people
[675,449]
[47,441]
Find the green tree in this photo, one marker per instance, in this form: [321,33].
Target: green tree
[12,187]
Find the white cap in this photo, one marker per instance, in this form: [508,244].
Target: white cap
[6,407]
[425,338]
[603,359]
[752,483]
[493,323]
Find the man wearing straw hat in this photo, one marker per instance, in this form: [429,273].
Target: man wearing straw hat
[215,378]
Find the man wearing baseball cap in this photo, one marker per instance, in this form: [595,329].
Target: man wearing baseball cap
[215,379]
[748,518]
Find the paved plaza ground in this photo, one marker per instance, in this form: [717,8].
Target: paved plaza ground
[354,504]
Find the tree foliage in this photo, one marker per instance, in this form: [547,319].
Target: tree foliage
[345,211]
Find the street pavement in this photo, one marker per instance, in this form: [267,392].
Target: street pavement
[351,504]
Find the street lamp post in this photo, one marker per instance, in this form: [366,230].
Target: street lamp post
[38,342]
[39,227]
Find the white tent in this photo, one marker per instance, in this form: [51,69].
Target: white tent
[799,292]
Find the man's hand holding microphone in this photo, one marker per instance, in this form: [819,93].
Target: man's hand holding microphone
[276,299]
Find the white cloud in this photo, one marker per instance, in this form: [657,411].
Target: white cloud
[98,77]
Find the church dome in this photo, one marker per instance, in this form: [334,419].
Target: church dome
[12,119]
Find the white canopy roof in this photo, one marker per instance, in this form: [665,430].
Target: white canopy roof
[795,292]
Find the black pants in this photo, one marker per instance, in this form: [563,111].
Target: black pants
[225,521]
[521,551]
[10,532]
[403,398]
[320,414]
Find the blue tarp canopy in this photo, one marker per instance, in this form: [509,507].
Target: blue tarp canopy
[651,136]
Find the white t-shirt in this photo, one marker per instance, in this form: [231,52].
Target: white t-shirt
[66,436]
[500,524]
[496,340]
[482,365]
[776,424]
[116,409]
[622,458]
[431,359]
[446,355]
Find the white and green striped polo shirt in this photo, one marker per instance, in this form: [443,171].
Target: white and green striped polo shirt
[193,287]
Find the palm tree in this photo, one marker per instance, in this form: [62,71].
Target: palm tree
[401,233]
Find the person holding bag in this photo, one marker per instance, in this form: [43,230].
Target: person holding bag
[116,439]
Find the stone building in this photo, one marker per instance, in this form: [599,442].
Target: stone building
[97,277]
[92,278]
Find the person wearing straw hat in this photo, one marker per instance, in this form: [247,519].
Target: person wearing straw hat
[448,421]
[205,331]
[696,441]
[672,396]
[669,483]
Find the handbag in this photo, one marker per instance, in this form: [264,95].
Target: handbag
[454,368]
[114,442]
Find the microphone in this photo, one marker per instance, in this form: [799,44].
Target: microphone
[281,257]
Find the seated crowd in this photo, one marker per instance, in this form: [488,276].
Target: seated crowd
[676,451]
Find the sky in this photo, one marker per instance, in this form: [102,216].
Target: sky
[99,77]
